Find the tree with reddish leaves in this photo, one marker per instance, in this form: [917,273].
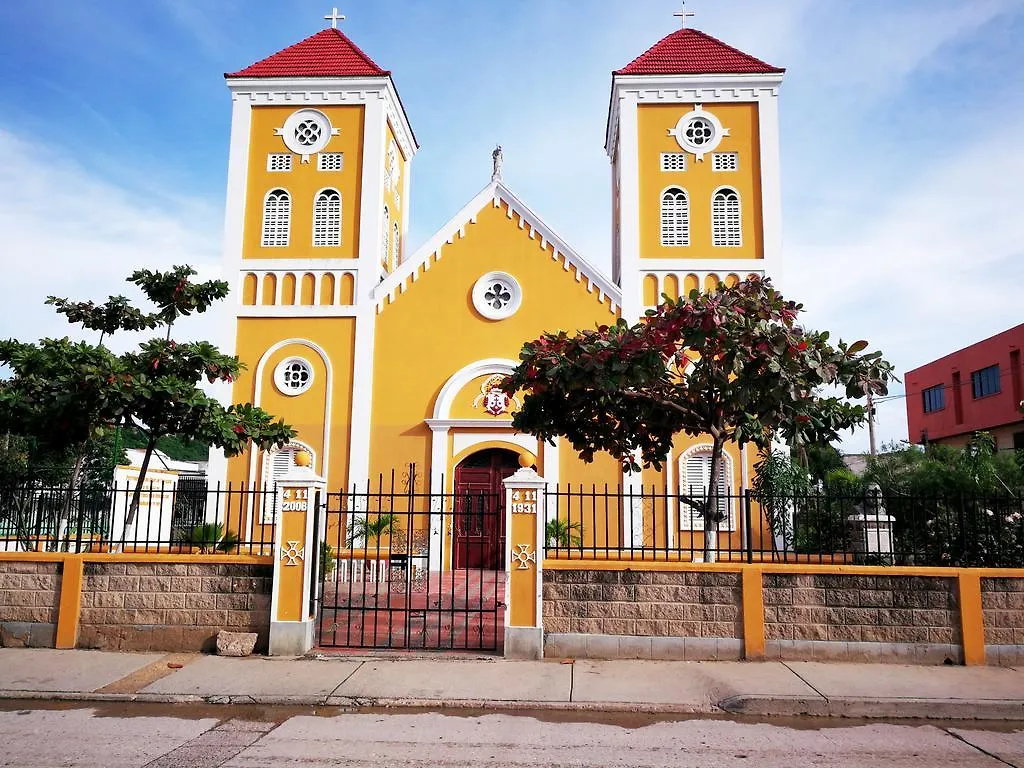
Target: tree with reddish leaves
[732,364]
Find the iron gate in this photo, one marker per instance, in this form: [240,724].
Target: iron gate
[387,575]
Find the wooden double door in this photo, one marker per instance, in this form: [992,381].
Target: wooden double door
[479,524]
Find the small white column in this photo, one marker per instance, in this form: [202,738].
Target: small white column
[291,620]
[524,564]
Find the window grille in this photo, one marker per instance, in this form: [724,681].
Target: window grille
[673,161]
[985,382]
[395,241]
[330,161]
[279,161]
[675,217]
[277,214]
[327,219]
[385,245]
[725,161]
[726,228]
[697,484]
[934,398]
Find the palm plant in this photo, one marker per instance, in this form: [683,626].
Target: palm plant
[211,537]
[562,533]
[367,529]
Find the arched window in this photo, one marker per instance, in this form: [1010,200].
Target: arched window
[395,245]
[675,217]
[279,463]
[385,245]
[277,217]
[327,218]
[695,482]
[726,228]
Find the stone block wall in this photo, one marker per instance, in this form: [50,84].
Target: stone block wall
[637,614]
[29,597]
[1002,602]
[172,606]
[909,619]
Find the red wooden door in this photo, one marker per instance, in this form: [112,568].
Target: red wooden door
[480,509]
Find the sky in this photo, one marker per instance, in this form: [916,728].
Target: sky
[901,126]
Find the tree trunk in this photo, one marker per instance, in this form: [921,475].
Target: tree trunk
[711,505]
[69,500]
[133,508]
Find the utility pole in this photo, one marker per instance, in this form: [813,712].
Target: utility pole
[871,422]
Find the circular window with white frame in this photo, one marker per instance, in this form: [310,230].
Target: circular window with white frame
[293,376]
[699,132]
[497,295]
[306,132]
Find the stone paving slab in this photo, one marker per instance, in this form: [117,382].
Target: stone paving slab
[697,684]
[449,680]
[255,676]
[884,681]
[45,669]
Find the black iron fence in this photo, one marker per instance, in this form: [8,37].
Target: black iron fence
[873,528]
[404,569]
[184,517]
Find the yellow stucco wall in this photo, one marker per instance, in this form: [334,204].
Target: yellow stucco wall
[305,412]
[432,330]
[699,181]
[303,182]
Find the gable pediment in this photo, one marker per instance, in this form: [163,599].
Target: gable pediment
[497,196]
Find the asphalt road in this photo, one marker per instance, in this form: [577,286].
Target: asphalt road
[115,736]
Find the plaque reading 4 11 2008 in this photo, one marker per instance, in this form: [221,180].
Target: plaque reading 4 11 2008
[295,500]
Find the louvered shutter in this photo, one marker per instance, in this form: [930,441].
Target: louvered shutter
[697,484]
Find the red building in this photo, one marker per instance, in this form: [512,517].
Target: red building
[975,388]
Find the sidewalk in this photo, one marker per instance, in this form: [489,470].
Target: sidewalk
[768,688]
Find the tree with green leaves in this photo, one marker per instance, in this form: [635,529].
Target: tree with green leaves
[72,392]
[732,364]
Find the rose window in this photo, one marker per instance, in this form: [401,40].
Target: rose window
[700,131]
[308,133]
[293,376]
[497,295]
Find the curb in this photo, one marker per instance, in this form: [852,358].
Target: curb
[875,708]
[741,704]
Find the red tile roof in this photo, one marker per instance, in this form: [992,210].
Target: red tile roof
[328,53]
[692,52]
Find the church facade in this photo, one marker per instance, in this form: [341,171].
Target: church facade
[383,357]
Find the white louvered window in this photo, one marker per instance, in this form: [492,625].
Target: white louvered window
[673,161]
[675,217]
[726,227]
[330,161]
[277,216]
[395,246]
[277,464]
[386,243]
[725,161]
[696,477]
[279,161]
[327,218]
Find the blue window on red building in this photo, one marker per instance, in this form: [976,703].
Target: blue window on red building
[934,398]
[985,382]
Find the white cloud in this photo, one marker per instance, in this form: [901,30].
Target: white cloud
[69,232]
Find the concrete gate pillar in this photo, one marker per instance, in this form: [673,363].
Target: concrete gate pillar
[291,619]
[524,560]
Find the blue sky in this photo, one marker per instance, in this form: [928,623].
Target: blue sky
[901,122]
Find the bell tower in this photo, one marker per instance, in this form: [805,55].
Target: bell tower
[692,136]
[316,216]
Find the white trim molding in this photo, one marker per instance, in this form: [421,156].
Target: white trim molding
[458,380]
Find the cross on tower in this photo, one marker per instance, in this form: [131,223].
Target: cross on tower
[335,17]
[684,14]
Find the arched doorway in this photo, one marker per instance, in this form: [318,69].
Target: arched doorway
[479,530]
